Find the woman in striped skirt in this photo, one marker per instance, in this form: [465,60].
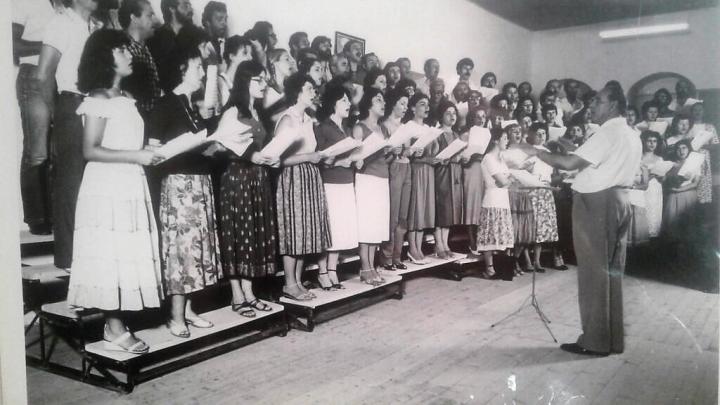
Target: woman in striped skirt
[301,206]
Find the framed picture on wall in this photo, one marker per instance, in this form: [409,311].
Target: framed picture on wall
[342,38]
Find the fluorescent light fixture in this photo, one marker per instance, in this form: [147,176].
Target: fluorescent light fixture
[643,31]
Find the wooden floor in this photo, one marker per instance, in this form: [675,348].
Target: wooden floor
[436,347]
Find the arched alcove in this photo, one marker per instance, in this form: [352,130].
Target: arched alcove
[645,88]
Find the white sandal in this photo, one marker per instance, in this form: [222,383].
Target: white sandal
[198,322]
[122,343]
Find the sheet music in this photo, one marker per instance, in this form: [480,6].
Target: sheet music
[555,133]
[453,149]
[527,179]
[340,147]
[429,135]
[404,133]
[211,87]
[488,92]
[692,165]
[373,143]
[701,139]
[182,143]
[507,123]
[661,167]
[514,157]
[658,126]
[278,145]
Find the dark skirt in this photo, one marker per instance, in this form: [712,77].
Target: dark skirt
[303,225]
[422,197]
[563,204]
[247,221]
[448,195]
[680,214]
[523,219]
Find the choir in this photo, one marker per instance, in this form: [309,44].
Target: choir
[287,156]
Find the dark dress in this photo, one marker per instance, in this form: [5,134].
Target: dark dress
[247,213]
[448,189]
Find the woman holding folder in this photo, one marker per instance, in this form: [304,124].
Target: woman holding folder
[396,105]
[338,182]
[247,214]
[495,231]
[543,202]
[303,227]
[189,240]
[116,267]
[473,185]
[422,193]
[652,151]
[681,199]
[448,183]
[372,192]
[523,218]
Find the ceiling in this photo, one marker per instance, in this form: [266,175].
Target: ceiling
[538,15]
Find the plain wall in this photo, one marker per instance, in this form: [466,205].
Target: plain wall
[578,52]
[445,29]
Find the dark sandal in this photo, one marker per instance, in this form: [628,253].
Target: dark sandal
[260,306]
[399,266]
[244,309]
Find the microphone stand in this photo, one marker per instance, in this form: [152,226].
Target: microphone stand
[533,303]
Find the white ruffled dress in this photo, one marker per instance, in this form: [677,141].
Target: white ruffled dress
[116,264]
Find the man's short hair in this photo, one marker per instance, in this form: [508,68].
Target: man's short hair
[295,38]
[548,107]
[507,86]
[233,45]
[212,7]
[165,6]
[348,44]
[464,62]
[615,93]
[128,8]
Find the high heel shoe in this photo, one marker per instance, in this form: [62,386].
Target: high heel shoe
[416,261]
[367,277]
[389,266]
[325,286]
[335,280]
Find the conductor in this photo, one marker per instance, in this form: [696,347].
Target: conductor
[607,163]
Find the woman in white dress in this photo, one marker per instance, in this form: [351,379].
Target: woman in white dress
[652,143]
[116,265]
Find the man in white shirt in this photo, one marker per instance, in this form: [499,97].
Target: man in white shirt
[601,215]
[432,70]
[29,18]
[63,43]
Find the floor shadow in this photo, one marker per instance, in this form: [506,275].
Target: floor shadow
[692,263]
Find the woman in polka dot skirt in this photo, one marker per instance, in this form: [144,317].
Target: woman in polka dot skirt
[247,214]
